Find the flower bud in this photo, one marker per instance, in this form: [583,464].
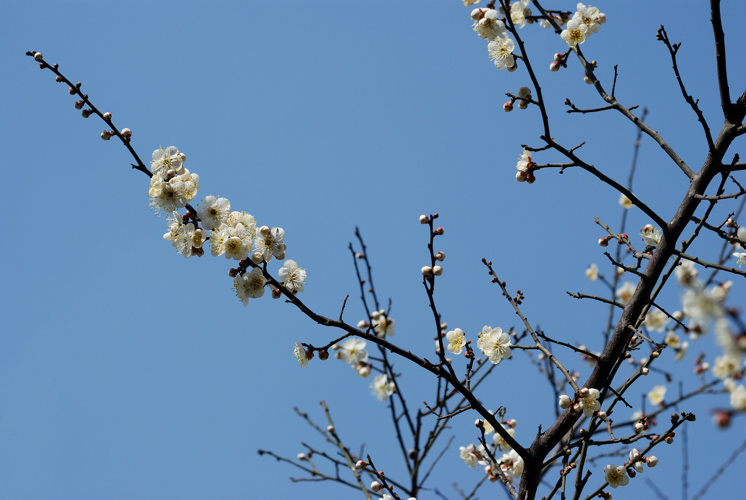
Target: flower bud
[668,439]
[264,231]
[126,133]
[511,423]
[426,270]
[440,256]
[86,113]
[38,57]
[477,14]
[479,423]
[233,272]
[565,402]
[439,231]
[600,18]
[362,324]
[639,427]
[730,223]
[58,79]
[652,461]
[79,104]
[323,355]
[522,104]
[584,392]
[554,66]
[105,135]
[559,56]
[513,67]
[603,242]
[376,486]
[601,414]
[721,419]
[330,428]
[508,106]
[276,293]
[741,233]
[257,257]
[587,80]
[301,456]
[520,176]
[524,92]
[361,465]
[644,370]
[437,270]
[107,116]
[72,90]
[424,219]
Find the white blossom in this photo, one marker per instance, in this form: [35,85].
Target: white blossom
[269,243]
[249,285]
[352,351]
[624,292]
[501,52]
[494,343]
[656,395]
[625,202]
[300,352]
[738,398]
[382,325]
[656,320]
[167,163]
[292,276]
[172,194]
[381,387]
[616,476]
[575,33]
[726,366]
[456,340]
[511,464]
[489,26]
[590,403]
[592,272]
[213,212]
[651,236]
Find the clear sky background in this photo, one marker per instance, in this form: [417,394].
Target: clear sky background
[127,371]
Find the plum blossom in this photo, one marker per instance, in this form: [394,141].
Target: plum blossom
[249,285]
[501,52]
[167,163]
[352,351]
[511,464]
[656,320]
[624,292]
[456,340]
[726,366]
[656,395]
[489,26]
[381,387]
[268,243]
[382,325]
[575,33]
[590,403]
[651,236]
[625,202]
[591,17]
[519,11]
[469,455]
[738,398]
[174,193]
[494,343]
[184,237]
[300,353]
[292,276]
[616,476]
[524,161]
[592,272]
[500,441]
[213,212]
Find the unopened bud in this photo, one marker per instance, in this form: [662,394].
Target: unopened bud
[652,461]
[520,176]
[601,414]
[426,270]
[58,79]
[559,56]
[105,135]
[107,116]
[86,113]
[301,456]
[511,423]
[440,256]
[584,392]
[126,133]
[437,270]
[323,355]
[508,106]
[38,57]
[730,223]
[376,486]
[439,231]
[264,231]
[257,257]
[587,80]
[361,465]
[565,402]
[79,104]
[276,293]
[513,67]
[330,428]
[554,66]
[639,427]
[644,370]
[424,219]
[603,242]
[524,92]
[479,423]
[522,104]
[72,90]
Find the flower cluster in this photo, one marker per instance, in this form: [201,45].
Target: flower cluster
[489,27]
[525,168]
[233,234]
[585,22]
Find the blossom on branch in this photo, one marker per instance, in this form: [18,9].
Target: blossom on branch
[167,163]
[249,285]
[352,351]
[292,276]
[501,52]
[456,340]
[213,212]
[381,387]
[494,343]
[300,352]
[489,26]
[575,33]
[616,476]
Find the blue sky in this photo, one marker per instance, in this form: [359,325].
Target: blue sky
[127,371]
